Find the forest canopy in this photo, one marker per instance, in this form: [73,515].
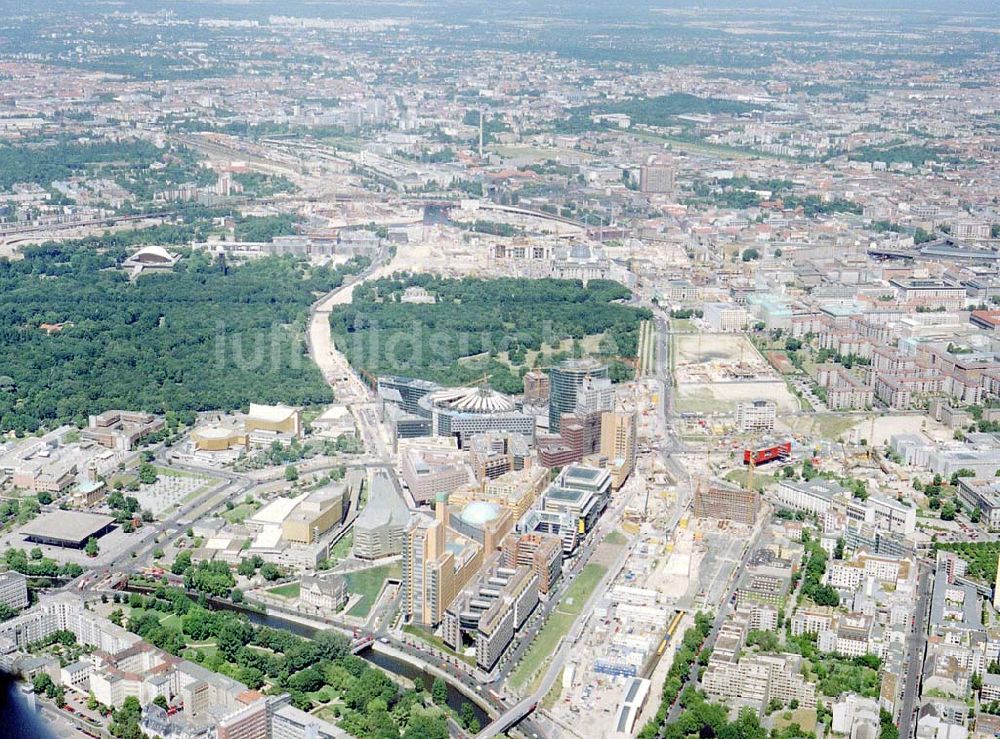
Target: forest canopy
[497,327]
[202,337]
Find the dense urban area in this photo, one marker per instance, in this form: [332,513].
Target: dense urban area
[464,369]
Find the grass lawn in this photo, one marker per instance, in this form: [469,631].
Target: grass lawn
[368,583]
[207,651]
[559,623]
[825,425]
[323,695]
[699,399]
[171,472]
[542,649]
[616,539]
[288,590]
[168,620]
[804,717]
[342,549]
[195,493]
[171,621]
[240,513]
[327,714]
[576,596]
[552,697]
[707,147]
[436,642]
[739,477]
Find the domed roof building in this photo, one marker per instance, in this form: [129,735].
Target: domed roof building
[478,513]
[466,411]
[471,400]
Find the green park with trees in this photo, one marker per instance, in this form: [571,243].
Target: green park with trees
[203,337]
[462,335]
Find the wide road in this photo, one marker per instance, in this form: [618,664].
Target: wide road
[916,642]
[347,386]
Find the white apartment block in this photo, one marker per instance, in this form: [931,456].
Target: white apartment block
[14,590]
[763,618]
[892,515]
[811,622]
[760,679]
[76,676]
[756,415]
[884,513]
[850,575]
[726,317]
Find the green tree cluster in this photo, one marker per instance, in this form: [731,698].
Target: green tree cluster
[680,670]
[199,338]
[475,318]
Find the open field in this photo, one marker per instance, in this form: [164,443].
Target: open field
[368,583]
[886,426]
[534,152]
[704,147]
[240,512]
[722,397]
[167,620]
[559,623]
[616,538]
[544,646]
[825,426]
[804,717]
[172,488]
[702,348]
[760,481]
[578,593]
[288,590]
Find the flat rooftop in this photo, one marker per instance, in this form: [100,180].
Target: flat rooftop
[556,492]
[64,528]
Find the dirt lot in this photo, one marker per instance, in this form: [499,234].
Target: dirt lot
[722,397]
[699,349]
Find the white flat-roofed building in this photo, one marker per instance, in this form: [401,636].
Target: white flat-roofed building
[982,494]
[760,679]
[887,514]
[275,512]
[726,317]
[76,676]
[14,590]
[815,496]
[811,621]
[756,415]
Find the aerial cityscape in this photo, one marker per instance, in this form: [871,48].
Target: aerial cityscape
[463,369]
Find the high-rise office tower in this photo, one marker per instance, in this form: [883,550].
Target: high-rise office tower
[618,443]
[564,383]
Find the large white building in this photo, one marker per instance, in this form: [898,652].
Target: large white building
[14,590]
[756,415]
[815,496]
[760,679]
[726,317]
[884,513]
